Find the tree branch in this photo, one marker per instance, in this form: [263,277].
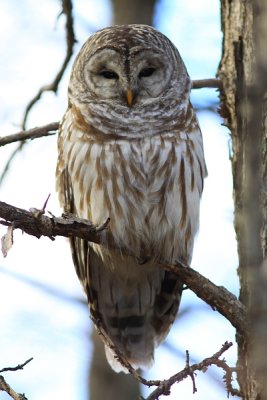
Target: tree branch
[70,40]
[46,130]
[165,386]
[207,83]
[5,387]
[218,297]
[18,367]
[36,224]
[53,86]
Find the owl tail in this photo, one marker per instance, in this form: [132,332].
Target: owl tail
[136,305]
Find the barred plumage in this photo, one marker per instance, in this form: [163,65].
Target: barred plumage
[130,149]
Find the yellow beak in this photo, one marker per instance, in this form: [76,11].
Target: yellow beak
[129,97]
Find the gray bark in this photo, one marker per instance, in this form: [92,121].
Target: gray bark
[243,72]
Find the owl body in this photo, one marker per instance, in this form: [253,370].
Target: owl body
[130,149]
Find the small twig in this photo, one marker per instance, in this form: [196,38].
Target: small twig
[191,374]
[18,367]
[207,83]
[228,377]
[37,212]
[104,226]
[34,133]
[165,386]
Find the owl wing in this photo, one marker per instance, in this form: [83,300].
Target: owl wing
[79,247]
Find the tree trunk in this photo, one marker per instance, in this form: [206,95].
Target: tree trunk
[104,382]
[243,73]
[133,12]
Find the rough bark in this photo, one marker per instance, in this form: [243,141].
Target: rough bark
[243,74]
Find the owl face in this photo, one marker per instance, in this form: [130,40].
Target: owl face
[130,66]
[131,79]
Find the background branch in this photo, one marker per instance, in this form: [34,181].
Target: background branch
[207,83]
[18,367]
[45,130]
[53,86]
[49,129]
[70,41]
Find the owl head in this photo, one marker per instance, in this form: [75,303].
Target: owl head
[129,66]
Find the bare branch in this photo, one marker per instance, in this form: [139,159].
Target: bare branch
[53,86]
[164,387]
[217,297]
[38,132]
[70,40]
[5,387]
[191,373]
[43,225]
[18,367]
[207,83]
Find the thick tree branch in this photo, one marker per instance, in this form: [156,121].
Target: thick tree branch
[36,224]
[218,297]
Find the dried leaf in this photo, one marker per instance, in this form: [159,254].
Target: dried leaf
[7,241]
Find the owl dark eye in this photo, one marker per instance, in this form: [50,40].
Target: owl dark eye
[109,74]
[144,73]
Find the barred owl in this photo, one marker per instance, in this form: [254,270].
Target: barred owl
[130,148]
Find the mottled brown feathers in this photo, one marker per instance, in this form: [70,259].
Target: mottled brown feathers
[143,167]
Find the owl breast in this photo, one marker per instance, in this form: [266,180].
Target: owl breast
[149,188]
